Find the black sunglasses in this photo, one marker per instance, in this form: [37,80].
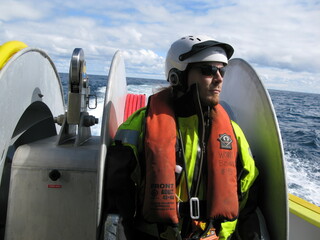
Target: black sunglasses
[208,70]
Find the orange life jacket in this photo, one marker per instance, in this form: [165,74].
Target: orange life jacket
[160,204]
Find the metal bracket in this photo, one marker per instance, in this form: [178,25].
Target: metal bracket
[95,101]
[194,208]
[76,122]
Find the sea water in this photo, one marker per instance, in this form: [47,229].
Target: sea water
[298,116]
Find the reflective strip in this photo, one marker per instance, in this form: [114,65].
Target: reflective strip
[128,136]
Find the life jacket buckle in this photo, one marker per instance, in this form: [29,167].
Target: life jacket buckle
[194,208]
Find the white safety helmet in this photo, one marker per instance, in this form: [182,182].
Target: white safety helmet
[191,49]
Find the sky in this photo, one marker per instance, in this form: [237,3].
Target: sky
[279,38]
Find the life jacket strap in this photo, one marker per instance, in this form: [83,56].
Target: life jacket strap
[187,210]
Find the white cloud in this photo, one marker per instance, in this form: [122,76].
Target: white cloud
[144,62]
[12,10]
[285,79]
[275,36]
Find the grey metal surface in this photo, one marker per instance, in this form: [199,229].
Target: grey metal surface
[113,114]
[78,87]
[249,104]
[27,78]
[62,208]
[78,101]
[301,229]
[52,191]
[77,64]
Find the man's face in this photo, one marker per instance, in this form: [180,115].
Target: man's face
[209,84]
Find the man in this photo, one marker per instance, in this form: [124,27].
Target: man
[180,168]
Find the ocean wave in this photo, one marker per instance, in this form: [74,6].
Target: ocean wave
[302,180]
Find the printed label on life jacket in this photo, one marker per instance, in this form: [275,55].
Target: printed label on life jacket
[162,191]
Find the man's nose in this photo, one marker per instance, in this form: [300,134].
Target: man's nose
[217,78]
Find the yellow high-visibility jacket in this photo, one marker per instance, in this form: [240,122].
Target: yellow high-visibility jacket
[130,133]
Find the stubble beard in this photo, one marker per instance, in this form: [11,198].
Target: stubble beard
[211,101]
